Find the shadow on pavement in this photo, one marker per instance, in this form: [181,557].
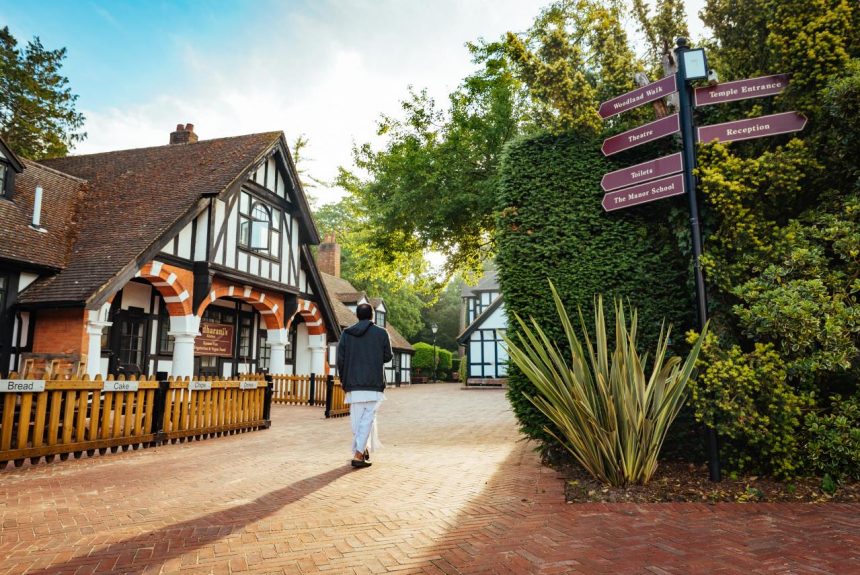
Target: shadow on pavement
[154,548]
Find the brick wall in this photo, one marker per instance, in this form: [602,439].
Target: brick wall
[60,331]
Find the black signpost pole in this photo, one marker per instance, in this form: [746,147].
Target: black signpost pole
[688,139]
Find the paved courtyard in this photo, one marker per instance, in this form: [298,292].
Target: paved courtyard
[454,491]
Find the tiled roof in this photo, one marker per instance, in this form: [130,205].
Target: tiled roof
[61,194]
[133,198]
[346,318]
[488,282]
[351,296]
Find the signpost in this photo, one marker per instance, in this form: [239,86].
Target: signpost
[638,97]
[648,181]
[741,90]
[752,128]
[644,193]
[644,172]
[641,135]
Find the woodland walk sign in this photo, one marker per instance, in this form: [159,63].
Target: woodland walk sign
[638,97]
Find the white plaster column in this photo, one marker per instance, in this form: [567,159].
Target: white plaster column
[94,346]
[184,330]
[317,345]
[277,339]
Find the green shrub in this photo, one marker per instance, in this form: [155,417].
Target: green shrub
[746,397]
[833,439]
[464,370]
[551,226]
[444,361]
[610,415]
[423,358]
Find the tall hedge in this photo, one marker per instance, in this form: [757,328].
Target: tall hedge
[551,226]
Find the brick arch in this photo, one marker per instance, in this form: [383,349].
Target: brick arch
[267,307]
[312,316]
[176,295]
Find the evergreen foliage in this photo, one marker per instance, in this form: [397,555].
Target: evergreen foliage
[552,226]
[37,108]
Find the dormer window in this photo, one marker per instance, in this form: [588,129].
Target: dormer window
[380,318]
[2,179]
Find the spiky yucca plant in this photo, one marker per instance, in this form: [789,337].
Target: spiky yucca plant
[606,411]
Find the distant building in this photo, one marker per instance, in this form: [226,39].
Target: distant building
[190,259]
[482,323]
[345,299]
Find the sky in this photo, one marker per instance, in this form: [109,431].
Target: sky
[322,69]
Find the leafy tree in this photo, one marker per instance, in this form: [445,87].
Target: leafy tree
[782,251]
[445,313]
[399,277]
[37,108]
[575,55]
[434,179]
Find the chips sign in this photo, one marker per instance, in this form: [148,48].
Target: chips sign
[644,193]
[741,90]
[638,97]
[752,128]
[644,172]
[641,135]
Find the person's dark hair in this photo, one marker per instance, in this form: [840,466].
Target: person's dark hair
[364,311]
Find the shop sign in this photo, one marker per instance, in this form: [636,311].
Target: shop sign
[120,386]
[22,385]
[199,385]
[214,339]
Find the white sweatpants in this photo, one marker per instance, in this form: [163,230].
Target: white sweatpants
[362,415]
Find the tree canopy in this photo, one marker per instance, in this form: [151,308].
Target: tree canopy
[38,118]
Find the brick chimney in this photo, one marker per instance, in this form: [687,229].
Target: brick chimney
[183,134]
[328,256]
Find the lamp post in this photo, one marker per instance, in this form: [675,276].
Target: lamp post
[434,328]
[692,66]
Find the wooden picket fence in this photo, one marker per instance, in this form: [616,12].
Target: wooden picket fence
[84,416]
[335,405]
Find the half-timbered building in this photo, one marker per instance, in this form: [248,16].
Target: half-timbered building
[191,258]
[483,323]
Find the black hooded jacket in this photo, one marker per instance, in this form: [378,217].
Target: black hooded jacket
[363,350]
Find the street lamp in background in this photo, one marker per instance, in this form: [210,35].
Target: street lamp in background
[434,328]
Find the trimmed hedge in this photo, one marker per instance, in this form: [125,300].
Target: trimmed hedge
[551,225]
[423,359]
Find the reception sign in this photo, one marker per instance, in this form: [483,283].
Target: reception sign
[214,339]
[752,128]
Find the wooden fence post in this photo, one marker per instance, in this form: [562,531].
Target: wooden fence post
[157,423]
[267,400]
[312,388]
[329,392]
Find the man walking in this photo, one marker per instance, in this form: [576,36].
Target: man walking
[363,351]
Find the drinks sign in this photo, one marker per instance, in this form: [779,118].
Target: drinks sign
[741,90]
[641,135]
[644,172]
[644,193]
[638,97]
[214,339]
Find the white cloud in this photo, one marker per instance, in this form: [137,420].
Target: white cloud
[325,69]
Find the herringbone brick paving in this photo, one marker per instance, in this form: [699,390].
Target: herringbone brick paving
[455,491]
